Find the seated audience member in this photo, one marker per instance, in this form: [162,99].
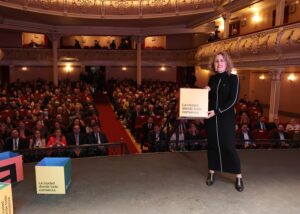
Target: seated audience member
[98,137]
[261,124]
[23,131]
[274,125]
[43,129]
[15,142]
[78,122]
[76,137]
[246,137]
[9,125]
[292,126]
[147,127]
[257,105]
[244,119]
[37,141]
[177,141]
[157,140]
[280,136]
[3,132]
[58,140]
[193,138]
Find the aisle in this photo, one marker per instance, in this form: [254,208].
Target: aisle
[111,126]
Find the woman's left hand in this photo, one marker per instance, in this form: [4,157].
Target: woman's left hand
[211,113]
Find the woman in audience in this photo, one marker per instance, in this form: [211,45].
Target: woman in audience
[58,140]
[37,141]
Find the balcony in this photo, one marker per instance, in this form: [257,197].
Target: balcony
[273,47]
[38,57]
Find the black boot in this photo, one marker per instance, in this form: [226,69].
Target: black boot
[239,185]
[210,179]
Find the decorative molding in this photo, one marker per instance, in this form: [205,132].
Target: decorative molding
[277,46]
[35,57]
[99,30]
[115,9]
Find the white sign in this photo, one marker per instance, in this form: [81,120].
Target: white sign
[193,103]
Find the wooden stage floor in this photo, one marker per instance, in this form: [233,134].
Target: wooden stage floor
[169,183]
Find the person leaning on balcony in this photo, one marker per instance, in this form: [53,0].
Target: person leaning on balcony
[223,89]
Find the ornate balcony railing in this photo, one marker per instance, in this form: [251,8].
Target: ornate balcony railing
[115,8]
[17,56]
[273,47]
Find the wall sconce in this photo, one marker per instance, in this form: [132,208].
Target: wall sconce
[256,18]
[124,68]
[24,68]
[163,68]
[262,77]
[68,68]
[292,77]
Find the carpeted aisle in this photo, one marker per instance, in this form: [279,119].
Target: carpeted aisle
[111,126]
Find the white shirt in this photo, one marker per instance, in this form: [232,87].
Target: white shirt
[246,138]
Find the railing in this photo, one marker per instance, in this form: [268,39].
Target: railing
[88,150]
[201,144]
[109,57]
[273,47]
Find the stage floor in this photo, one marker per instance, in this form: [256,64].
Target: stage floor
[169,183]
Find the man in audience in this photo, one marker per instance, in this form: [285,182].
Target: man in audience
[157,140]
[147,127]
[261,124]
[76,138]
[280,136]
[246,137]
[98,137]
[15,142]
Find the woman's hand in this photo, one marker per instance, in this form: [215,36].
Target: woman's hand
[211,113]
[207,87]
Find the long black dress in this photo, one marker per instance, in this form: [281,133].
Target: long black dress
[220,129]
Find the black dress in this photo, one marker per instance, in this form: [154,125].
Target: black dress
[221,153]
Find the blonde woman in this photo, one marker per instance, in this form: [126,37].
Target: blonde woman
[220,126]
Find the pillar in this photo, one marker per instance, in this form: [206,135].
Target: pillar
[139,60]
[55,39]
[226,18]
[280,5]
[275,93]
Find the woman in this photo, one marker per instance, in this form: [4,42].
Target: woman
[58,140]
[220,125]
[37,141]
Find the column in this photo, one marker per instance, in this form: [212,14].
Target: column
[280,5]
[55,39]
[275,93]
[139,59]
[226,17]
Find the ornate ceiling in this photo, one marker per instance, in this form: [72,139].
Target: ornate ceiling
[115,9]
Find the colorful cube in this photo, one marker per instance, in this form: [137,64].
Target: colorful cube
[6,202]
[53,175]
[11,167]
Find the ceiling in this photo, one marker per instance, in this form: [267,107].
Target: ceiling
[19,15]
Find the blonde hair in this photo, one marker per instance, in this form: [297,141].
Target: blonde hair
[227,58]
